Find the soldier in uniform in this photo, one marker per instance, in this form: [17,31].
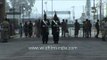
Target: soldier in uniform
[44,29]
[104,29]
[5,30]
[55,29]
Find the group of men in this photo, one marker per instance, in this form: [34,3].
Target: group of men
[55,24]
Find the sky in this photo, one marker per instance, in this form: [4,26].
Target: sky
[60,5]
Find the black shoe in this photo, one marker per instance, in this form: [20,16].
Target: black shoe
[46,42]
[43,42]
[103,39]
[4,41]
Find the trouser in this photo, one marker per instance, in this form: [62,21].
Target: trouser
[5,36]
[63,33]
[30,33]
[87,33]
[26,33]
[104,33]
[21,33]
[84,32]
[56,38]
[76,33]
[45,38]
[97,33]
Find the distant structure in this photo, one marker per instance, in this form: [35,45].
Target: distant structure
[88,9]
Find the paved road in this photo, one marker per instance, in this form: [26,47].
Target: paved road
[82,49]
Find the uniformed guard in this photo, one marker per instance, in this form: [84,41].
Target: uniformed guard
[104,29]
[5,30]
[44,29]
[55,28]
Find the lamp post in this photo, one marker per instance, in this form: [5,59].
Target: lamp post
[42,8]
[73,12]
[106,9]
[23,14]
[46,6]
[94,11]
[52,6]
[100,10]
[14,9]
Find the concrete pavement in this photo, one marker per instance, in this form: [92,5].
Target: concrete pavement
[86,49]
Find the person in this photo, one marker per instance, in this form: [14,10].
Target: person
[5,30]
[97,28]
[35,29]
[26,29]
[77,28]
[30,29]
[87,28]
[20,29]
[55,28]
[63,28]
[66,28]
[104,29]
[45,29]
[84,30]
[90,27]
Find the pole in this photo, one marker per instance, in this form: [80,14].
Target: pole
[94,10]
[42,9]
[14,9]
[46,6]
[100,10]
[73,12]
[106,9]
[52,6]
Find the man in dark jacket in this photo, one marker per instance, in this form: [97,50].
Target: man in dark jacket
[55,28]
[77,28]
[30,28]
[97,28]
[26,29]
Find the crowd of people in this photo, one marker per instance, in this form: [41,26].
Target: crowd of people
[40,28]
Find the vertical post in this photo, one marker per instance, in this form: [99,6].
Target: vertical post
[52,6]
[94,10]
[14,9]
[106,9]
[100,10]
[73,11]
[2,10]
[46,6]
[42,9]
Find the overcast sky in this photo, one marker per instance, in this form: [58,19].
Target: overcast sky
[61,5]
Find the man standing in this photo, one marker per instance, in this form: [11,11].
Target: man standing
[5,30]
[55,29]
[63,27]
[90,27]
[26,29]
[104,29]
[77,28]
[97,28]
[30,28]
[44,29]
[21,30]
